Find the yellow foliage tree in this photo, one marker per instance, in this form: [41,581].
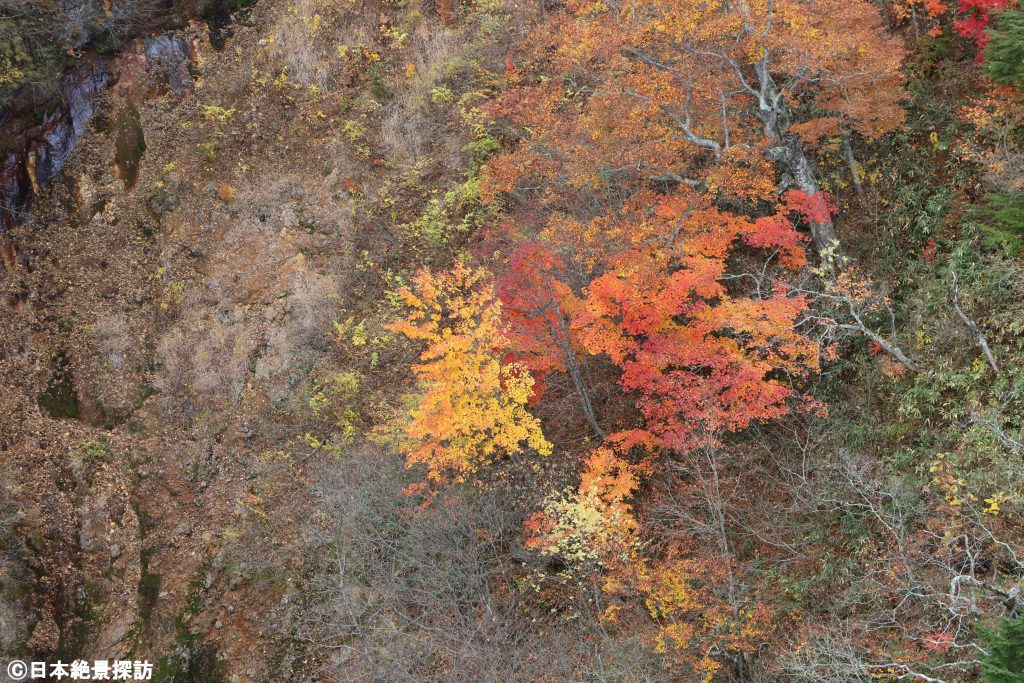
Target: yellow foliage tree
[594,522]
[471,406]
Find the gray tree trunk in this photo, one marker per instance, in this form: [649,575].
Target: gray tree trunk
[788,150]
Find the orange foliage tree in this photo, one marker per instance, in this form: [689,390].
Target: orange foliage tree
[471,406]
[675,296]
[703,361]
[715,94]
[661,158]
[537,321]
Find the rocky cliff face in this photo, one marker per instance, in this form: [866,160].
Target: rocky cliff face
[44,149]
[174,258]
[40,152]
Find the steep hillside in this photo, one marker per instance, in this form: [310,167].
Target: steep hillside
[490,342]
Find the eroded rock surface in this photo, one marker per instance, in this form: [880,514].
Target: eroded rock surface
[171,301]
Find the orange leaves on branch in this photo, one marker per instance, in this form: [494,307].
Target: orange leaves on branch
[813,208]
[675,88]
[777,231]
[703,361]
[993,116]
[608,477]
[856,63]
[536,322]
[744,173]
[471,407]
[858,291]
[814,130]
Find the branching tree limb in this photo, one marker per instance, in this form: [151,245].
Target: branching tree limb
[971,325]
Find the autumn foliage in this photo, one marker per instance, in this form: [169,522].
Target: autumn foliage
[973,19]
[653,289]
[702,91]
[703,362]
[471,405]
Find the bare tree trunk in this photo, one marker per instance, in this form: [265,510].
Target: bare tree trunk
[575,370]
[788,150]
[717,507]
[584,395]
[852,164]
[971,325]
[801,174]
